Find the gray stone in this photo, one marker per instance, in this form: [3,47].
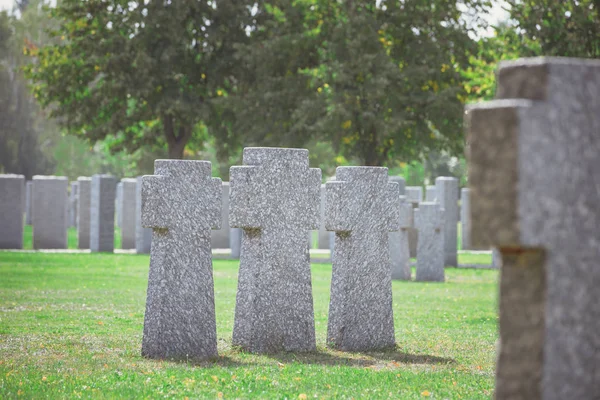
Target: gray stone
[431,194]
[118,203]
[362,207]
[275,200]
[534,175]
[50,212]
[73,205]
[143,236]
[399,246]
[220,238]
[429,220]
[102,213]
[235,242]
[414,195]
[447,197]
[127,206]
[465,219]
[84,192]
[12,193]
[181,203]
[401,183]
[28,202]
[323,234]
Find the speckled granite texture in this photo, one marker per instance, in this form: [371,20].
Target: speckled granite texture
[399,247]
[12,193]
[181,203]
[534,176]
[362,207]
[102,213]
[50,212]
[143,236]
[275,199]
[429,220]
[447,197]
[83,212]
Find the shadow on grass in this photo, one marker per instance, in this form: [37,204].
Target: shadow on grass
[361,359]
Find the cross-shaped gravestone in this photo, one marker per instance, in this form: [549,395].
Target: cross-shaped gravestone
[399,246]
[535,196]
[181,203]
[429,221]
[362,208]
[274,198]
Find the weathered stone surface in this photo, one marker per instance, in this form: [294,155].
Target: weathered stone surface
[73,205]
[534,176]
[12,191]
[102,213]
[399,246]
[414,195]
[429,220]
[447,197]
[275,200]
[181,203]
[127,206]
[118,203]
[50,212]
[323,233]
[430,194]
[28,202]
[465,218]
[362,207]
[235,242]
[84,191]
[143,236]
[220,238]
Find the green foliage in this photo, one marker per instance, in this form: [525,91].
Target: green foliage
[72,325]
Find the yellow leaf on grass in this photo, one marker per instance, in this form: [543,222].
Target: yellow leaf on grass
[44,379]
[215,378]
[302,396]
[220,395]
[100,323]
[425,393]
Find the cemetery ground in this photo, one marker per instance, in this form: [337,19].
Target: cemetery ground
[71,326]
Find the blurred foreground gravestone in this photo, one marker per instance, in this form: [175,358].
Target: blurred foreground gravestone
[181,203]
[362,207]
[534,176]
[50,212]
[274,199]
[429,220]
[12,193]
[102,213]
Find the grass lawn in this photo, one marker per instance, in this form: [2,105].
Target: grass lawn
[71,238]
[71,326]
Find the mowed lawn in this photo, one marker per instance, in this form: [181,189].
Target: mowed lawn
[71,326]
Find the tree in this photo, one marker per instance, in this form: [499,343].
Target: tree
[568,28]
[141,73]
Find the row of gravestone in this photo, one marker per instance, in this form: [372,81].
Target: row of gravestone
[275,200]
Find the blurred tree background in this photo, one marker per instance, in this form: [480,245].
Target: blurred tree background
[107,86]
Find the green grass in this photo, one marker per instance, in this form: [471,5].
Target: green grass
[71,326]
[71,238]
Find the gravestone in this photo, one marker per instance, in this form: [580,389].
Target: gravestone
[73,205]
[399,246]
[414,195]
[323,234]
[118,203]
[102,213]
[534,177]
[28,187]
[220,238]
[465,219]
[181,202]
[429,220]
[447,197]
[235,242]
[275,200]
[50,212]
[84,191]
[362,207]
[12,193]
[401,184]
[430,194]
[143,236]
[127,206]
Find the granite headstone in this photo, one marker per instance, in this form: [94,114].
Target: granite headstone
[429,220]
[12,193]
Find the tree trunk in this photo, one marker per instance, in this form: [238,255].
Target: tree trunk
[177,136]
